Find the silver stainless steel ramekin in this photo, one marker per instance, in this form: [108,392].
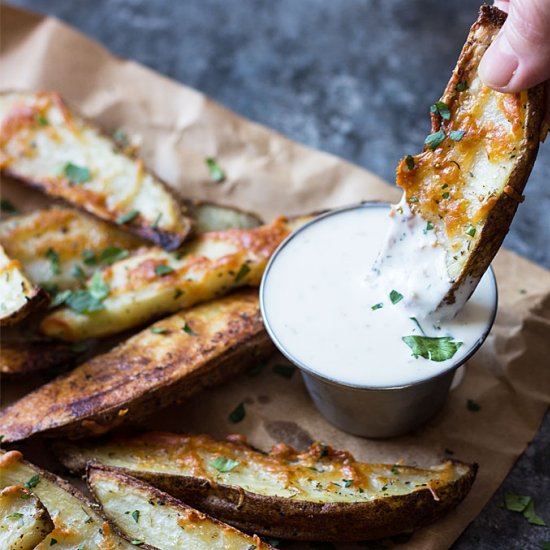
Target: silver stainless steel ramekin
[373,411]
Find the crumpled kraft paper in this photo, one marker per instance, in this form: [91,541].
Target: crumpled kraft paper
[178,128]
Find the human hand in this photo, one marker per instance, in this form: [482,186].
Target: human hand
[520,55]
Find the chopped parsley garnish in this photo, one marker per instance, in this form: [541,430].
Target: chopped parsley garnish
[456,135]
[432,348]
[444,186]
[394,470]
[429,226]
[7,207]
[158,330]
[442,109]
[216,173]
[33,482]
[53,542]
[163,270]
[413,199]
[434,140]
[135,515]
[85,301]
[89,257]
[99,289]
[471,231]
[128,217]
[409,161]
[186,328]
[112,254]
[60,298]
[525,506]
[223,464]
[78,273]
[137,542]
[242,273]
[379,305]
[76,174]
[177,293]
[347,482]
[155,224]
[121,138]
[395,297]
[53,256]
[461,86]
[446,195]
[286,371]
[472,405]
[41,119]
[15,515]
[415,321]
[238,413]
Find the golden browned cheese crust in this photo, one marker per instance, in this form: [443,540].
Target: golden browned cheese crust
[469,187]
[196,348]
[46,144]
[285,493]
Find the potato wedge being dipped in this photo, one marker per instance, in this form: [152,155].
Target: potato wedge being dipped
[320,494]
[145,514]
[468,182]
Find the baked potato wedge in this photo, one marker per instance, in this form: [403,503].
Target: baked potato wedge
[76,522]
[59,248]
[152,282]
[302,496]
[47,145]
[24,521]
[163,364]
[18,296]
[469,180]
[209,216]
[144,513]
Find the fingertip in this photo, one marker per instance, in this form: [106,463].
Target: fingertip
[499,64]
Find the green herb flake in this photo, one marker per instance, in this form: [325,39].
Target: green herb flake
[112,254]
[223,464]
[395,297]
[89,257]
[121,138]
[434,140]
[379,305]
[394,470]
[78,273]
[15,515]
[53,256]
[456,135]
[76,174]
[347,482]
[53,542]
[60,298]
[186,328]
[33,482]
[461,86]
[177,293]
[471,231]
[429,227]
[158,330]
[413,199]
[163,269]
[432,348]
[531,516]
[137,542]
[128,217]
[409,161]
[471,405]
[442,109]
[446,195]
[243,272]
[82,301]
[98,289]
[135,515]
[524,505]
[238,413]
[286,371]
[216,173]
[41,120]
[7,207]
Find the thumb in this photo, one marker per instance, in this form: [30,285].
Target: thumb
[519,57]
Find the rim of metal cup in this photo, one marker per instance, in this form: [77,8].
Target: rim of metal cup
[297,362]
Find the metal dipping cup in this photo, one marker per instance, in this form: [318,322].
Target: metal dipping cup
[374,412]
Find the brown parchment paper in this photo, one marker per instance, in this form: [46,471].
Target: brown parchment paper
[178,128]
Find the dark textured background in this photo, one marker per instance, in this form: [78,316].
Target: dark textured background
[352,77]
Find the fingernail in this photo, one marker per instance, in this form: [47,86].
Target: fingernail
[499,63]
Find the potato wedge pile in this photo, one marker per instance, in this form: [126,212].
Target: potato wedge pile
[141,299]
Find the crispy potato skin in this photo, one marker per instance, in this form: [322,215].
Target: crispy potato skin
[146,372]
[277,516]
[189,517]
[18,358]
[36,522]
[44,118]
[490,213]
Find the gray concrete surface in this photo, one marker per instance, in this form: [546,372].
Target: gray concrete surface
[352,77]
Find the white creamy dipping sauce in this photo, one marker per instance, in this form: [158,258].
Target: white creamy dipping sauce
[329,314]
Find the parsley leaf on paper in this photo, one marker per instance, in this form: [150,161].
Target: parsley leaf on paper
[216,173]
[432,348]
[237,414]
